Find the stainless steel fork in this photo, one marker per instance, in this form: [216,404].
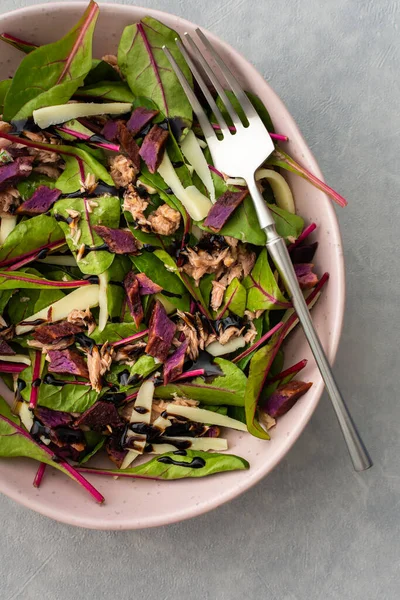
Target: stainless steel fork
[240,154]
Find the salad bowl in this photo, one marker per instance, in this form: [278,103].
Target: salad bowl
[136,503]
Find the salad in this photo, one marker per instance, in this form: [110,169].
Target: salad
[141,317]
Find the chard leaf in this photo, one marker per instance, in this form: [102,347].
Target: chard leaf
[187,281]
[21,45]
[4,87]
[224,390]
[29,301]
[154,266]
[93,451]
[148,71]
[69,398]
[113,332]
[144,237]
[27,187]
[16,441]
[79,164]
[262,289]
[51,74]
[4,299]
[101,71]
[166,466]
[29,235]
[106,213]
[115,91]
[287,224]
[234,298]
[260,366]
[11,280]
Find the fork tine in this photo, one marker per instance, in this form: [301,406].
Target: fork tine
[214,80]
[198,109]
[203,86]
[237,89]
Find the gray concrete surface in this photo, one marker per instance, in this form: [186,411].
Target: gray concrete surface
[313,530]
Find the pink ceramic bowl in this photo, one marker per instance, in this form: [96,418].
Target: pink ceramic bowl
[137,504]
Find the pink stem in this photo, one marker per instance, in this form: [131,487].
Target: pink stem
[305,233]
[259,343]
[214,170]
[84,136]
[190,374]
[132,338]
[9,367]
[39,475]
[32,254]
[290,371]
[70,470]
[83,482]
[306,174]
[131,397]
[35,378]
[48,283]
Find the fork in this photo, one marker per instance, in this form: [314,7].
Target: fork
[240,154]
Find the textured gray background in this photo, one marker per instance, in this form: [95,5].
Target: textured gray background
[313,530]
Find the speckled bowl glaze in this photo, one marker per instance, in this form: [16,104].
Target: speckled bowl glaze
[135,504]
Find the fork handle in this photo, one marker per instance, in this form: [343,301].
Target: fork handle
[278,251]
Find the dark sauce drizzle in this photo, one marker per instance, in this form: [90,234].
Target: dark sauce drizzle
[196,463]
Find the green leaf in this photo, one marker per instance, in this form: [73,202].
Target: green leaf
[30,235]
[93,451]
[69,398]
[4,299]
[148,71]
[113,332]
[154,267]
[16,441]
[166,466]
[224,390]
[287,224]
[27,187]
[115,91]
[4,87]
[256,102]
[29,301]
[187,281]
[155,180]
[21,45]
[106,213]
[221,410]
[243,224]
[260,366]
[51,74]
[262,289]
[235,298]
[79,164]
[205,286]
[238,413]
[101,71]
[146,238]
[11,280]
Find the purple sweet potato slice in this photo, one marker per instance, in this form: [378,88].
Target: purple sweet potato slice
[147,286]
[67,361]
[119,241]
[305,276]
[303,253]
[110,131]
[173,366]
[140,117]
[131,285]
[152,148]
[5,349]
[15,171]
[161,333]
[48,334]
[53,418]
[129,145]
[41,201]
[223,209]
[284,397]
[98,416]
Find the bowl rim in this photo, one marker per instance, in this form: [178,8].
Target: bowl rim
[124,523]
